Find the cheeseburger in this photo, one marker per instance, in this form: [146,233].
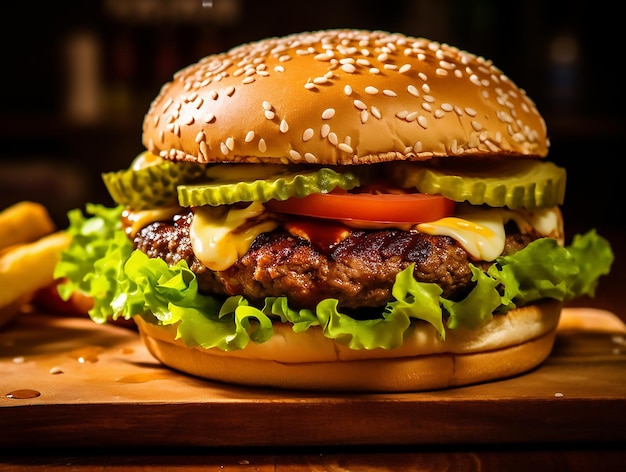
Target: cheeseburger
[338,210]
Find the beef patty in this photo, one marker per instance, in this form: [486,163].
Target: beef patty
[359,271]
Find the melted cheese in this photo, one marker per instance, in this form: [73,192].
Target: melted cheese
[481,231]
[134,220]
[221,235]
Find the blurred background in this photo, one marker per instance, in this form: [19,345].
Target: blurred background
[79,75]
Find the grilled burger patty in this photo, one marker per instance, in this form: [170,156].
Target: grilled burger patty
[359,271]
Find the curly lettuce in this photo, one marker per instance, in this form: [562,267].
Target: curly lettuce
[124,282]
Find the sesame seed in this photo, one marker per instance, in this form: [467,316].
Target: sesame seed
[328,113]
[411,116]
[198,102]
[360,105]
[320,80]
[209,117]
[470,111]
[476,125]
[269,114]
[389,93]
[307,134]
[348,68]
[295,155]
[230,90]
[423,122]
[230,143]
[376,112]
[345,148]
[188,120]
[284,127]
[200,137]
[249,136]
[309,86]
[214,95]
[267,105]
[324,131]
[404,68]
[203,149]
[417,147]
[247,80]
[364,116]
[441,72]
[413,90]
[402,114]
[262,146]
[439,113]
[492,147]
[374,70]
[371,90]
[166,105]
[474,79]
[224,149]
[347,90]
[310,158]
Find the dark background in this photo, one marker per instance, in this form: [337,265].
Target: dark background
[78,76]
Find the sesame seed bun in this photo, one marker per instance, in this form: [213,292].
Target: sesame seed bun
[507,346]
[342,97]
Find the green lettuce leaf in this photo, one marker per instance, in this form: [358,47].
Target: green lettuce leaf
[101,263]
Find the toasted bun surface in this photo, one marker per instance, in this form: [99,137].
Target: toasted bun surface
[507,346]
[342,97]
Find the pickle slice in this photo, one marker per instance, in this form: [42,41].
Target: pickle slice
[261,188]
[152,186]
[512,183]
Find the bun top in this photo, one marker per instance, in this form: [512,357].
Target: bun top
[342,97]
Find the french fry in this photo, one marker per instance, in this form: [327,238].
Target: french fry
[29,267]
[26,268]
[24,222]
[590,319]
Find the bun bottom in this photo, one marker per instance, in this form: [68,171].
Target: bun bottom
[390,371]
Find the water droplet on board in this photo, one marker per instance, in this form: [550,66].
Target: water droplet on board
[23,394]
[86,354]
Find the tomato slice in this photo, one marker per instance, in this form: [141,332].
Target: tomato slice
[374,207]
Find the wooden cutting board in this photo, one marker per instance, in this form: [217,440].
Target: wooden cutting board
[68,381]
